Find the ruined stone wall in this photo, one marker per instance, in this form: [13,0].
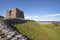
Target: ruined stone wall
[14,13]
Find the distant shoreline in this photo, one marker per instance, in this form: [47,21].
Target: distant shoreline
[49,22]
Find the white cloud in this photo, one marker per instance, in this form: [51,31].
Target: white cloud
[52,15]
[31,17]
[37,18]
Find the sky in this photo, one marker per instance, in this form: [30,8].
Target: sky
[39,10]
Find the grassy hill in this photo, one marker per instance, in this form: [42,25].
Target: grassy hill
[36,31]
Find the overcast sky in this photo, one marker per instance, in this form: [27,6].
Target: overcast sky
[39,10]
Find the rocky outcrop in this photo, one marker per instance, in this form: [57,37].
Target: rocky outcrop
[8,33]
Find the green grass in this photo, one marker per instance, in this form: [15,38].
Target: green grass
[36,31]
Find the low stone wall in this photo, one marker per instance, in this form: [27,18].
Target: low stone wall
[17,20]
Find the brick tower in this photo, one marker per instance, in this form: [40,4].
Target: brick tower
[15,13]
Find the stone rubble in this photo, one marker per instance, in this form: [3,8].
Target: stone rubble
[9,33]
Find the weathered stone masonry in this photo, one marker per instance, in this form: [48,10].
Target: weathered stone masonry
[15,13]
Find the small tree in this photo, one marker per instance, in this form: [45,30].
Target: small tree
[55,24]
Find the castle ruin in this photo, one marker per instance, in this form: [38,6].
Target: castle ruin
[14,13]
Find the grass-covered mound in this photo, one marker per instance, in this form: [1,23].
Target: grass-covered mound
[36,31]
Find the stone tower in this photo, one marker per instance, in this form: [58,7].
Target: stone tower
[15,13]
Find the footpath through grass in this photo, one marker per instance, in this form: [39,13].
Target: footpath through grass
[36,31]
